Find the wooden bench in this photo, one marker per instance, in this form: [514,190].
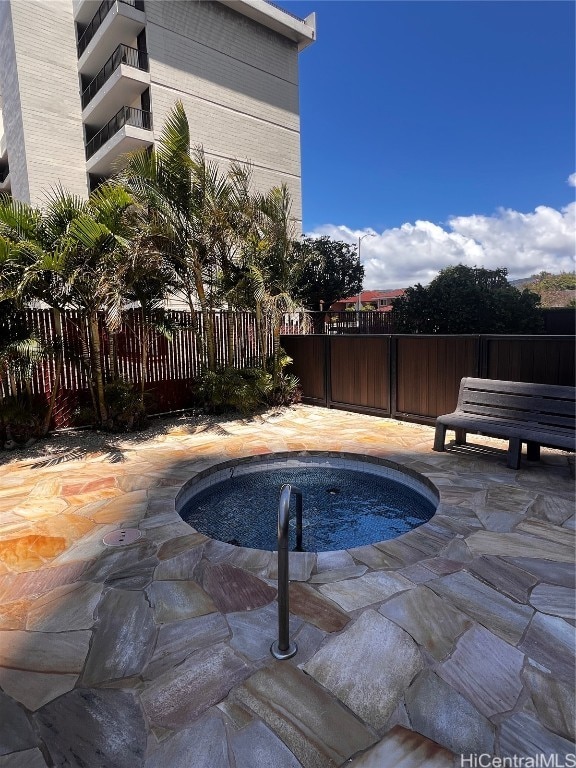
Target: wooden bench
[535,414]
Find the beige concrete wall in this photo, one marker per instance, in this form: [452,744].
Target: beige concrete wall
[238,82]
[11,109]
[48,146]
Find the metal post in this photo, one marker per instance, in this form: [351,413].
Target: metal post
[283,648]
[298,493]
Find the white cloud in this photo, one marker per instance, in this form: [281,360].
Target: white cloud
[571,180]
[525,243]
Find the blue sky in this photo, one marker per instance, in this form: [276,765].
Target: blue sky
[444,128]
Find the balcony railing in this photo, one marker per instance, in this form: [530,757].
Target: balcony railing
[125,116]
[122,55]
[99,17]
[269,2]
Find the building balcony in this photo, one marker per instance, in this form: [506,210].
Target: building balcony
[130,129]
[84,11]
[120,81]
[300,31]
[115,22]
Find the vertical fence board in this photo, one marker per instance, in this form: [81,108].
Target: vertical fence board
[359,372]
[541,359]
[309,356]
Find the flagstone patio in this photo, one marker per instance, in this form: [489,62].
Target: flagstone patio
[457,637]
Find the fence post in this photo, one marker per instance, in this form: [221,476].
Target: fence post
[482,364]
[393,373]
[327,372]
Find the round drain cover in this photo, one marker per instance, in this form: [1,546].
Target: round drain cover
[122,537]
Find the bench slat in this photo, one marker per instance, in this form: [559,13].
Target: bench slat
[520,387]
[524,416]
[526,431]
[545,405]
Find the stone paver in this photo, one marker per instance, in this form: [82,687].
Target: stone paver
[256,746]
[318,730]
[554,600]
[28,758]
[504,616]
[508,579]
[401,748]
[368,666]
[204,744]
[430,620]
[176,600]
[352,594]
[93,727]
[313,607]
[485,670]
[253,632]
[71,606]
[525,737]
[60,652]
[123,640]
[15,729]
[462,629]
[176,698]
[177,640]
[555,703]
[551,641]
[234,589]
[34,689]
[456,724]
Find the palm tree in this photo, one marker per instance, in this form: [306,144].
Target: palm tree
[29,245]
[273,268]
[70,257]
[93,268]
[146,280]
[189,202]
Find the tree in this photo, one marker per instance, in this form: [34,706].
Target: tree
[329,271]
[554,290]
[71,255]
[189,202]
[546,281]
[467,300]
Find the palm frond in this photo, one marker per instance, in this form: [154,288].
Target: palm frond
[18,220]
[62,207]
[90,233]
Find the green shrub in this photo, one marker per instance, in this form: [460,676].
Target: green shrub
[125,409]
[19,421]
[246,390]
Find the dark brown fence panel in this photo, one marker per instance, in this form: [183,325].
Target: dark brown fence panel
[428,372]
[540,359]
[559,320]
[309,356]
[359,371]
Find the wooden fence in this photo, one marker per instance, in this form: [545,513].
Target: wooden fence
[172,363]
[412,377]
[416,378]
[556,321]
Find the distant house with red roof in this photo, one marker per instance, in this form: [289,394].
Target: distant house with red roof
[380,300]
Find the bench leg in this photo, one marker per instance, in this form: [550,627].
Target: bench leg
[439,437]
[460,436]
[533,451]
[514,450]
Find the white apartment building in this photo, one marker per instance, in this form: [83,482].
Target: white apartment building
[83,82]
